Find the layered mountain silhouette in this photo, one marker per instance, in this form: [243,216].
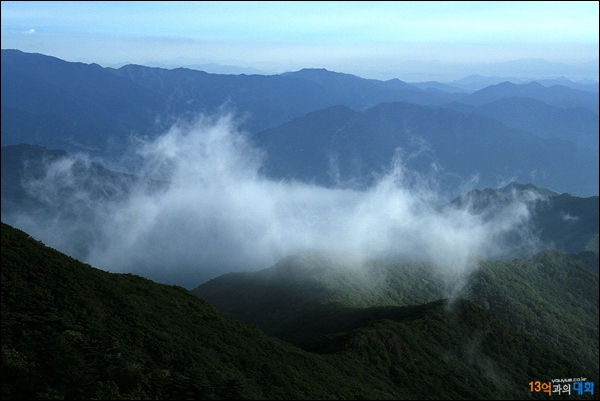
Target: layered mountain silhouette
[105,111]
[338,145]
[475,82]
[557,95]
[563,222]
[317,324]
[53,103]
[578,125]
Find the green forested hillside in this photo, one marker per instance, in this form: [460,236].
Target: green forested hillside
[70,331]
[438,346]
[550,296]
[318,285]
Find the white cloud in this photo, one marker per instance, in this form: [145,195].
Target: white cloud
[568,217]
[219,214]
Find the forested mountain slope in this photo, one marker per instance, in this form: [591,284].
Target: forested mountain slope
[74,332]
[550,296]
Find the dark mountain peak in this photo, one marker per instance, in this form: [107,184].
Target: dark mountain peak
[485,200]
[313,261]
[397,84]
[31,151]
[315,72]
[13,53]
[507,84]
[134,66]
[517,186]
[138,72]
[534,85]
[396,81]
[42,61]
[556,95]
[327,78]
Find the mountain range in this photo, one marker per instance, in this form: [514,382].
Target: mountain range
[543,133]
[340,144]
[476,82]
[339,237]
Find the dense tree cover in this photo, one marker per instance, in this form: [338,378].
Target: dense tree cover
[317,285]
[460,338]
[70,331]
[550,296]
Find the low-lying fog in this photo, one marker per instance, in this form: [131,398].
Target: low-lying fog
[219,214]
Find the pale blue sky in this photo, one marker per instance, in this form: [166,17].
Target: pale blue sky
[363,38]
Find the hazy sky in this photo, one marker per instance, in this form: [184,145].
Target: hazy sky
[370,39]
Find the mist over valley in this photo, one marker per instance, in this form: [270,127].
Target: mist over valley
[180,181]
[371,226]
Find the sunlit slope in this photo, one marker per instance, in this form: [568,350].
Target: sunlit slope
[70,331]
[550,296]
[280,299]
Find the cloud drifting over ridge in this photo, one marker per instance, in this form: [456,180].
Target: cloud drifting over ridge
[219,214]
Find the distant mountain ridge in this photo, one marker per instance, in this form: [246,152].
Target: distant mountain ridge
[475,82]
[104,111]
[147,99]
[368,329]
[148,93]
[578,125]
[338,144]
[557,95]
